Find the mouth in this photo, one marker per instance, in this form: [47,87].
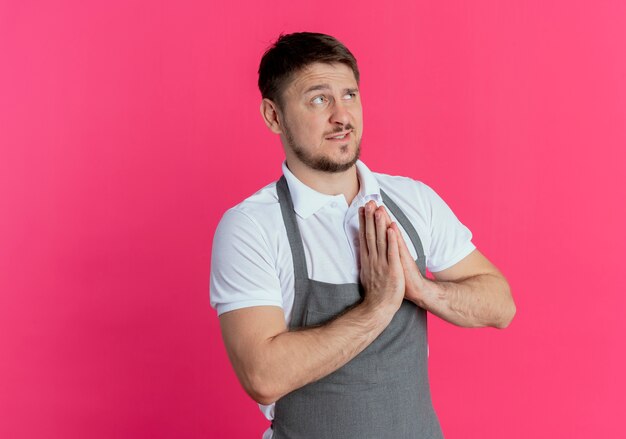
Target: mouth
[339,137]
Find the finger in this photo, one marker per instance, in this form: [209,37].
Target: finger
[393,253]
[363,251]
[381,233]
[386,212]
[370,230]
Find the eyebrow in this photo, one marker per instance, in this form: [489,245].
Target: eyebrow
[327,87]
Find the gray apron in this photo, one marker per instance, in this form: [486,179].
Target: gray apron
[384,391]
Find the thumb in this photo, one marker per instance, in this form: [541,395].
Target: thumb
[411,270]
[405,254]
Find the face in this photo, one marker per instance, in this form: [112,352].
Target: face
[322,120]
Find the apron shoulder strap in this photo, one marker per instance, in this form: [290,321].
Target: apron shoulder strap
[293,232]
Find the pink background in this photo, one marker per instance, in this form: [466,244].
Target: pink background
[128,128]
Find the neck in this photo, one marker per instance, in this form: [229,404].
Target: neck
[330,183]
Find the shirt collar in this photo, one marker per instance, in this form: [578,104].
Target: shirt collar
[307,201]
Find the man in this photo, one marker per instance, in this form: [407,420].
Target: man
[319,279]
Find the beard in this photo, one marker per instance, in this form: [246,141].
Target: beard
[321,163]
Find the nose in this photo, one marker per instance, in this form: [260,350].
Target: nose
[340,114]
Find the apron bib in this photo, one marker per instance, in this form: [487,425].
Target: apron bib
[384,391]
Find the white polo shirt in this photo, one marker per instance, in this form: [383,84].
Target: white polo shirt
[251,261]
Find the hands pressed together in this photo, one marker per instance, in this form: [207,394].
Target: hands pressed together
[388,271]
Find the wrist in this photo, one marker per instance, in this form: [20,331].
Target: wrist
[425,294]
[380,312]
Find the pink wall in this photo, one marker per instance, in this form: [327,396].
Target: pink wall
[126,130]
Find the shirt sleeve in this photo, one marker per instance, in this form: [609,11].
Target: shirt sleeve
[450,239]
[243,271]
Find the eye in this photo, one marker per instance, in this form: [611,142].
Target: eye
[316,100]
[352,94]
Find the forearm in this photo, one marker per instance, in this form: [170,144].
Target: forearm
[293,359]
[478,301]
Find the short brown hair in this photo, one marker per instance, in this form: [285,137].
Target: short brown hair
[294,52]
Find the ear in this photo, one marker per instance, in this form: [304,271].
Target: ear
[270,114]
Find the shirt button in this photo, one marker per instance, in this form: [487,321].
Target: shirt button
[333,204]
